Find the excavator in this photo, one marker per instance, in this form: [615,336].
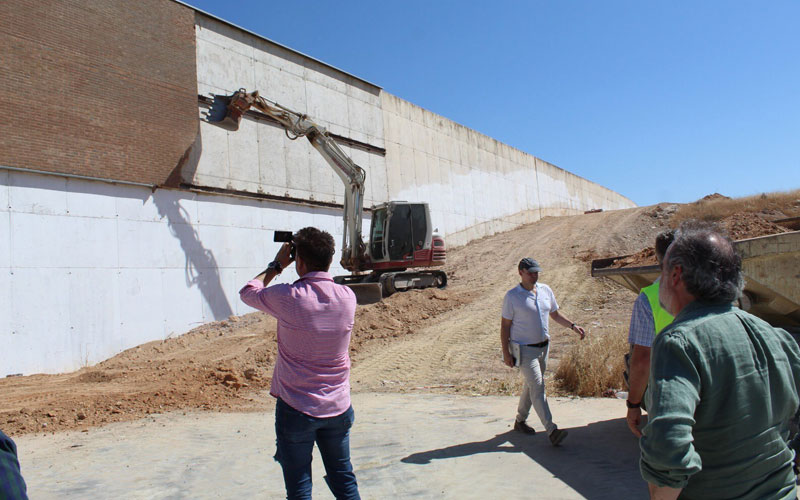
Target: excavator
[402,243]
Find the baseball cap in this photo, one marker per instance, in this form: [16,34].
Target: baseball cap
[530,265]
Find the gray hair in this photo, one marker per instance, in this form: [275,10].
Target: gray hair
[711,268]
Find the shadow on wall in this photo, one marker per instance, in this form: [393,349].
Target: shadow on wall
[200,267]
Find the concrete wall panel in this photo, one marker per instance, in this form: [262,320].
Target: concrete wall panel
[5,243]
[284,60]
[146,245]
[48,197]
[315,72]
[9,338]
[420,176]
[213,159]
[272,168]
[99,202]
[142,306]
[324,181]
[62,241]
[243,160]
[46,328]
[211,211]
[185,303]
[93,315]
[165,262]
[225,67]
[298,169]
[138,205]
[281,86]
[328,107]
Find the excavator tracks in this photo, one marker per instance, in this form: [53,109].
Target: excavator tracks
[373,287]
[403,281]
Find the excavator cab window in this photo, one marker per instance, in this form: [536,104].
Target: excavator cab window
[378,231]
[408,226]
[419,225]
[401,242]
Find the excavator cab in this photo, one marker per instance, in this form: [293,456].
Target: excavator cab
[398,230]
[402,236]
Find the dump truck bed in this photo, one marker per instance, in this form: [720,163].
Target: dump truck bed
[771,267]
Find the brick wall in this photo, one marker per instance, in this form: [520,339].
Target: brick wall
[99,88]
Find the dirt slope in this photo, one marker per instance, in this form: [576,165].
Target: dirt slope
[440,340]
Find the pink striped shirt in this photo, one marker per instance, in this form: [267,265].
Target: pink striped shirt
[315,320]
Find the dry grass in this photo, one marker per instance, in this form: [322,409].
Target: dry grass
[594,367]
[718,208]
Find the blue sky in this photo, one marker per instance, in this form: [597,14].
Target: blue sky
[659,101]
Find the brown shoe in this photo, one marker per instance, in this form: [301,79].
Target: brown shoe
[523,428]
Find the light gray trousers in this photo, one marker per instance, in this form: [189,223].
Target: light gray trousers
[533,362]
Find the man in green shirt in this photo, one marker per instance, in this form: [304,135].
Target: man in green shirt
[723,383]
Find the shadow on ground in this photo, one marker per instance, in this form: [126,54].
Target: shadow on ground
[599,461]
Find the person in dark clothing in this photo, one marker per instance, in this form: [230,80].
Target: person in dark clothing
[12,486]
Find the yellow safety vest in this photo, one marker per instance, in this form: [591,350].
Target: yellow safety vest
[661,318]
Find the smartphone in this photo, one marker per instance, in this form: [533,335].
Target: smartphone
[285,237]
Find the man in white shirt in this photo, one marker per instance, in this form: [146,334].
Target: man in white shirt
[525,326]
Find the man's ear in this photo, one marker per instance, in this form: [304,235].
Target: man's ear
[675,275]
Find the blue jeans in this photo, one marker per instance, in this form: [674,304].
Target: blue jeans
[296,434]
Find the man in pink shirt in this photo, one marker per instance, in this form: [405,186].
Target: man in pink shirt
[312,373]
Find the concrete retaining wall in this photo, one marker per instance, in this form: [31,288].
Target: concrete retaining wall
[90,269]
[476,185]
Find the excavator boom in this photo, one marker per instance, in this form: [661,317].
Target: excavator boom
[296,125]
[401,236]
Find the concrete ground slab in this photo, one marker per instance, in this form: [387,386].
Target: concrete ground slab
[403,446]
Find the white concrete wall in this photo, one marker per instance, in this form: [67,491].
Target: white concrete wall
[259,158]
[476,186]
[88,269]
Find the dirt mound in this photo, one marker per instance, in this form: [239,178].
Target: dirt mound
[403,313]
[215,366]
[714,196]
[740,218]
[745,225]
[645,257]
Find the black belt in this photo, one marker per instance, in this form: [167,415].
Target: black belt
[540,344]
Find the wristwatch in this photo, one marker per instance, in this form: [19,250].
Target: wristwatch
[632,405]
[275,266]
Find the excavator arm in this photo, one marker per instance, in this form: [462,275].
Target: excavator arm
[354,256]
